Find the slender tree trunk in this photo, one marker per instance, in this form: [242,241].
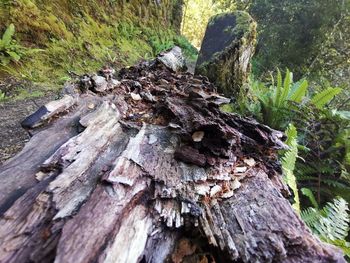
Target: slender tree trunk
[148,169]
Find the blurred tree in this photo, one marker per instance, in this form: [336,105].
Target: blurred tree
[296,34]
[197,14]
[231,5]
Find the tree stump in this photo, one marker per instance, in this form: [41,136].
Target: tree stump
[226,51]
[147,168]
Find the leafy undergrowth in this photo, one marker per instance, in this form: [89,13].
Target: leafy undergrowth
[317,165]
[84,36]
[331,223]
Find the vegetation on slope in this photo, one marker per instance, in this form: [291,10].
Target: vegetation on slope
[81,36]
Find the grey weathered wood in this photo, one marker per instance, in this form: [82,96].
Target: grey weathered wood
[165,178]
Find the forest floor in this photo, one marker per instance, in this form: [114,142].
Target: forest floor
[13,136]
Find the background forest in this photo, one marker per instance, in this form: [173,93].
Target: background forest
[299,81]
[300,84]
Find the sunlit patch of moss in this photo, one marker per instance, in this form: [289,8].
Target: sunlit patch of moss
[227,108]
[25,94]
[81,36]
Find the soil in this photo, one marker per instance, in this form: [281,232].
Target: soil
[12,135]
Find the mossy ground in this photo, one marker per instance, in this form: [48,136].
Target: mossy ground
[81,36]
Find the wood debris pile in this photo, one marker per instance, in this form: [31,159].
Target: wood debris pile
[147,166]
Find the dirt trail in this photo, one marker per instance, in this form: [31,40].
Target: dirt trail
[12,135]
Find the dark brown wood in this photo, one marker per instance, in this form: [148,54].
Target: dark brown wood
[149,170]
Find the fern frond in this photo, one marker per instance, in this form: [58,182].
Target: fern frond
[331,223]
[335,225]
[336,184]
[345,115]
[307,192]
[7,36]
[310,216]
[291,134]
[288,164]
[278,88]
[298,92]
[321,99]
[286,88]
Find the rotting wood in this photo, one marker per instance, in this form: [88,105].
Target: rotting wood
[165,178]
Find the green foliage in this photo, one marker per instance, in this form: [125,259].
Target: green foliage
[288,161]
[231,5]
[298,27]
[9,49]
[2,96]
[279,102]
[331,223]
[321,99]
[326,136]
[81,36]
[342,142]
[323,135]
[189,50]
[285,100]
[308,193]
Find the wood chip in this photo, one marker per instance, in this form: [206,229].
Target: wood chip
[40,176]
[214,190]
[241,169]
[174,125]
[250,162]
[235,184]
[227,195]
[135,96]
[152,139]
[202,189]
[198,136]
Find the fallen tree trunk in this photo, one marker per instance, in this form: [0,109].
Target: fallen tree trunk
[148,169]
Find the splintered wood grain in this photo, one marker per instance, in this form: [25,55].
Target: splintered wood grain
[258,222]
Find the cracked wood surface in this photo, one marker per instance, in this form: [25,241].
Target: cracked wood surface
[148,169]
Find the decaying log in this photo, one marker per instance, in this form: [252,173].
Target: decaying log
[147,168]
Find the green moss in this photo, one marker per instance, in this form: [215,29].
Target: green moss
[244,22]
[81,36]
[24,94]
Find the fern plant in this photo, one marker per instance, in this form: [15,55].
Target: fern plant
[288,161]
[280,101]
[10,50]
[326,136]
[331,223]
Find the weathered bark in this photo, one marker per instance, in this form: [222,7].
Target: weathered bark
[149,170]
